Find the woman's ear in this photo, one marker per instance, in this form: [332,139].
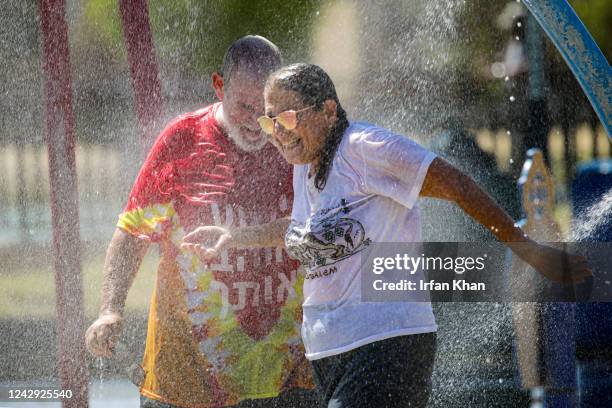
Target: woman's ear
[331,114]
[218,85]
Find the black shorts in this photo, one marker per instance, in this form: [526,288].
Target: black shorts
[390,373]
[293,398]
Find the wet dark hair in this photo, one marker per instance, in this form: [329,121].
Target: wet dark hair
[254,53]
[315,87]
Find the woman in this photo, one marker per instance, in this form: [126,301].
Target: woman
[356,183]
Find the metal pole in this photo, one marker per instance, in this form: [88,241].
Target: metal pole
[60,138]
[538,123]
[143,67]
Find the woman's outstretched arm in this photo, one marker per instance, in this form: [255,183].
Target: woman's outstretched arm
[444,181]
[208,241]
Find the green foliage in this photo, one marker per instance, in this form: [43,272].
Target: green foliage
[597,17]
[190,38]
[29,290]
[20,73]
[480,42]
[196,34]
[103,23]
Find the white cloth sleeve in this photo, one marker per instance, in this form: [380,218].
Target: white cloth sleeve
[392,165]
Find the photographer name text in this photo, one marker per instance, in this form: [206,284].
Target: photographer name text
[422,285]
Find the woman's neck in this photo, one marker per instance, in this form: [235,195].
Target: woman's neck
[313,167]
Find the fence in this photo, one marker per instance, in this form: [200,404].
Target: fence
[106,173]
[24,192]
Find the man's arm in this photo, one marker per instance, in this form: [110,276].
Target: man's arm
[445,182]
[123,258]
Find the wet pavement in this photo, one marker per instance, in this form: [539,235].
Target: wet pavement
[102,394]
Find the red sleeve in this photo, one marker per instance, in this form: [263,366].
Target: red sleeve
[153,184]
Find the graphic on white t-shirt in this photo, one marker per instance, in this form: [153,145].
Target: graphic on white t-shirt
[330,238]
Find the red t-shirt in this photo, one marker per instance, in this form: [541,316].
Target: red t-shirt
[230,330]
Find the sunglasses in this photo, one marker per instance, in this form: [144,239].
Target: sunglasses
[287,119]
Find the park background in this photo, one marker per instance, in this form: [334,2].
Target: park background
[454,75]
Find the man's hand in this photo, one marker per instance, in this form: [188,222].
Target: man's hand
[207,242]
[102,335]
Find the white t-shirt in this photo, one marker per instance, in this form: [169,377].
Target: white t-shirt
[370,196]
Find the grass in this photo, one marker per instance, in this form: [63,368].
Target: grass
[30,292]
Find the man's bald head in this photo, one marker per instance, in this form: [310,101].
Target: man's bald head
[252,54]
[239,86]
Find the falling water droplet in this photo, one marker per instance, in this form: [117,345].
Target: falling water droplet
[512,98]
[508,132]
[101,370]
[507,78]
[511,161]
[519,24]
[517,38]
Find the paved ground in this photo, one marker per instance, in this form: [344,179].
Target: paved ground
[102,394]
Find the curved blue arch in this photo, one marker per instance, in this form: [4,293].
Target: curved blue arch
[580,51]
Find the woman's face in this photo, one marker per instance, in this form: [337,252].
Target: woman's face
[302,144]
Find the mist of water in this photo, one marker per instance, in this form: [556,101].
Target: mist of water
[590,223]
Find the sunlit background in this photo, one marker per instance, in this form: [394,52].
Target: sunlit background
[454,75]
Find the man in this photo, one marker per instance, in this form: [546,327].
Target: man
[223,332]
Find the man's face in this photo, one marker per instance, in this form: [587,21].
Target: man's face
[242,104]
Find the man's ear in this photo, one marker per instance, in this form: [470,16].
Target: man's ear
[217,83]
[330,107]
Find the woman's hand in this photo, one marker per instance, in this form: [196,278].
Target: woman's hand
[207,242]
[556,264]
[443,181]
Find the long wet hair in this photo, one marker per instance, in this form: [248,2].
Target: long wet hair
[315,87]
